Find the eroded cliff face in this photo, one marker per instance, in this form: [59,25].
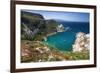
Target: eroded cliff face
[33,25]
[82,42]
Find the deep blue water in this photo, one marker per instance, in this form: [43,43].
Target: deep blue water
[64,40]
[77,26]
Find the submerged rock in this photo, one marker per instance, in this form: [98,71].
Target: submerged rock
[82,42]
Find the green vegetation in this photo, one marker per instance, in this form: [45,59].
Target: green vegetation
[33,30]
[34,26]
[36,51]
[84,55]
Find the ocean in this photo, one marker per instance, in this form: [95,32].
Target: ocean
[64,40]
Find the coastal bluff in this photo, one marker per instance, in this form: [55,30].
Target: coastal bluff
[33,25]
[82,42]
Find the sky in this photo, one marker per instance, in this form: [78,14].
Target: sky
[66,16]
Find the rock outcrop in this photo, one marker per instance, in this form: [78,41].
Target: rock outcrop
[60,28]
[82,42]
[33,24]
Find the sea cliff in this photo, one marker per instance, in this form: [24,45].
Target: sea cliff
[34,31]
[82,42]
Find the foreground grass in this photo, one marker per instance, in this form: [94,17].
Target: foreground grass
[35,51]
[84,55]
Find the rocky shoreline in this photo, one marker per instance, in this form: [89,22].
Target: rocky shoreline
[59,29]
[51,34]
[82,42]
[35,29]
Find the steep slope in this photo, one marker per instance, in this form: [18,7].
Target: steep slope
[34,25]
[31,24]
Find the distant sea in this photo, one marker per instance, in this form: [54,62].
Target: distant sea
[64,40]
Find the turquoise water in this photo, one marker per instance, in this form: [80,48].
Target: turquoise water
[64,40]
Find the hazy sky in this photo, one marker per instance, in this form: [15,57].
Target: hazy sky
[68,16]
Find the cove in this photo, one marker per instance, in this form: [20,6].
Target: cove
[64,40]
